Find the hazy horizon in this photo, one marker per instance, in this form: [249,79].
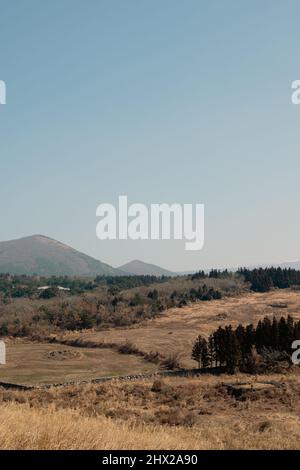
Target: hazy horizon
[186,102]
[162,266]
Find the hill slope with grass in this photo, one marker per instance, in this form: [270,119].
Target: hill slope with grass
[45,256]
[139,268]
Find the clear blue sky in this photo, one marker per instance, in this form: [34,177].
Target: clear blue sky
[162,100]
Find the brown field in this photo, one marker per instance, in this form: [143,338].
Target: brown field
[190,413]
[175,330]
[41,363]
[172,332]
[174,413]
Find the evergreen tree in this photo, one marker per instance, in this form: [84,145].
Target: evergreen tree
[205,354]
[197,350]
[275,334]
[211,350]
[239,347]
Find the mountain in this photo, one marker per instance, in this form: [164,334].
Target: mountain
[44,256]
[139,268]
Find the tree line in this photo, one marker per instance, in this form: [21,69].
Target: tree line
[16,286]
[260,279]
[264,279]
[243,346]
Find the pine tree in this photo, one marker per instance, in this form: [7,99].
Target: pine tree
[267,332]
[275,334]
[240,333]
[232,349]
[219,342]
[249,337]
[197,350]
[211,350]
[282,334]
[204,353]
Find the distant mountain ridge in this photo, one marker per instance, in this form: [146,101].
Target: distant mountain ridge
[44,256]
[139,268]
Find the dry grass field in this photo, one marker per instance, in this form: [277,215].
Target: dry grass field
[175,413]
[175,330]
[32,363]
[172,332]
[190,413]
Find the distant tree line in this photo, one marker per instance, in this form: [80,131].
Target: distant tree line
[212,274]
[263,279]
[241,347]
[118,283]
[202,293]
[14,286]
[260,280]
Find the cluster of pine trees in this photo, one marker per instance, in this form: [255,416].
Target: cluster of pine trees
[213,273]
[262,280]
[203,293]
[233,347]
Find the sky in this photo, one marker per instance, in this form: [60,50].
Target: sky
[160,100]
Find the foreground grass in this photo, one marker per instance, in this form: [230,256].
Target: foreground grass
[22,427]
[174,414]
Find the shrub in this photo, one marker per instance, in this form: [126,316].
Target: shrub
[49,293]
[176,417]
[128,348]
[171,362]
[158,385]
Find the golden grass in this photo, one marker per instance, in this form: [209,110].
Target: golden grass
[189,413]
[172,332]
[175,330]
[184,413]
[22,427]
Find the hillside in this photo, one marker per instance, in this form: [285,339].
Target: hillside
[139,268]
[44,256]
[207,411]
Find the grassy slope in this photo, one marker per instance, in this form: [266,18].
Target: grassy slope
[190,413]
[184,414]
[175,330]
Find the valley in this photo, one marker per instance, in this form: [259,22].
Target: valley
[171,333]
[52,351]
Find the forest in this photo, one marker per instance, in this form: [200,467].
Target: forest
[248,348]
